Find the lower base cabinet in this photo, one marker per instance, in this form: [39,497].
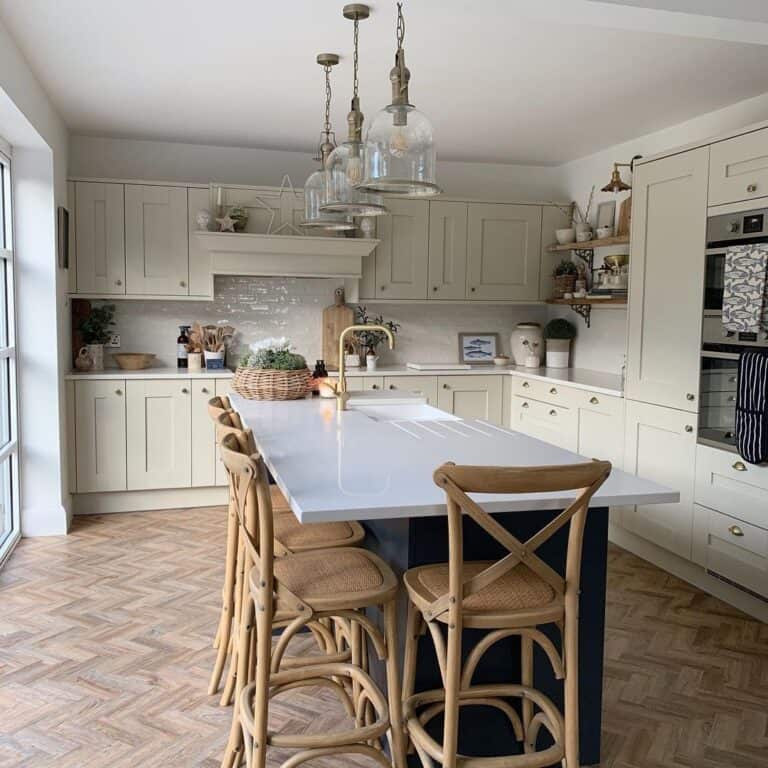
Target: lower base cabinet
[423,386]
[471,397]
[661,446]
[203,438]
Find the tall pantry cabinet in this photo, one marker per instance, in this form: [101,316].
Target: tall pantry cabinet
[669,214]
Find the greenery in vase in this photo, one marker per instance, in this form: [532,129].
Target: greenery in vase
[369,340]
[559,328]
[97,327]
[273,354]
[566,267]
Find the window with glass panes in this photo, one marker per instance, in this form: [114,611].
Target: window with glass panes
[9,507]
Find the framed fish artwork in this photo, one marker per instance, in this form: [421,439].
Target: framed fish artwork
[478,348]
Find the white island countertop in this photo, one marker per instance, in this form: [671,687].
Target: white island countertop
[349,466]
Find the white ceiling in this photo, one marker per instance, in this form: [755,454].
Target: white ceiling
[746,10]
[521,81]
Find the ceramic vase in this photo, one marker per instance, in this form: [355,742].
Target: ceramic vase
[96,353]
[194,361]
[530,332]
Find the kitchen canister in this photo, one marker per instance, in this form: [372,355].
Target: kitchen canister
[526,340]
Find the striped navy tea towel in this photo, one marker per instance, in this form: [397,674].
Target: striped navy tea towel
[752,407]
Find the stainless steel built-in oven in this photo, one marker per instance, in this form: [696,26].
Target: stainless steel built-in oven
[720,347]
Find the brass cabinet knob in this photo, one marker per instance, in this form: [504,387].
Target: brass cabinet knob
[553,412]
[688,428]
[118,391]
[526,384]
[204,390]
[118,282]
[690,396]
[383,288]
[473,289]
[392,386]
[525,405]
[740,466]
[184,391]
[446,386]
[751,188]
[593,400]
[434,288]
[553,391]
[734,530]
[374,386]
[183,283]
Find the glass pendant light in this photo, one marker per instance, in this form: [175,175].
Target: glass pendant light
[344,170]
[400,155]
[316,187]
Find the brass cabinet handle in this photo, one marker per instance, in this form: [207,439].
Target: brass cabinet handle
[392,386]
[376,386]
[183,283]
[751,188]
[690,396]
[526,384]
[553,412]
[446,386]
[434,288]
[118,391]
[593,400]
[525,405]
[383,288]
[184,391]
[735,531]
[553,391]
[118,282]
[740,466]
[204,390]
[688,428]
[473,289]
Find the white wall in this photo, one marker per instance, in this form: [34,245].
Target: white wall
[97,157]
[602,345]
[39,141]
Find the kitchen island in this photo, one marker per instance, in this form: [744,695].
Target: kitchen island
[378,469]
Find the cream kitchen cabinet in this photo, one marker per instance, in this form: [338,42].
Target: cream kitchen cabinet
[200,275]
[601,426]
[156,240]
[203,434]
[159,434]
[666,286]
[100,444]
[424,386]
[99,234]
[403,253]
[504,251]
[471,397]
[362,383]
[738,168]
[551,423]
[447,250]
[661,446]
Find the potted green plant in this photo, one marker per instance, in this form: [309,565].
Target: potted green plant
[271,370]
[558,334]
[368,341]
[565,274]
[95,331]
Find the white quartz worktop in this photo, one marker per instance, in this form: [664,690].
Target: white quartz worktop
[344,466]
[579,378]
[150,373]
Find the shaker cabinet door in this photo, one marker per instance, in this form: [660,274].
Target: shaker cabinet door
[100,435]
[203,434]
[504,251]
[200,272]
[666,285]
[447,250]
[403,253]
[159,433]
[471,397]
[99,234]
[156,240]
[739,168]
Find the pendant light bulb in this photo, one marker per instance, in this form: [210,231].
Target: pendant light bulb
[400,156]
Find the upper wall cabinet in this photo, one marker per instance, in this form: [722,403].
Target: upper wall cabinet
[738,168]
[100,232]
[504,251]
[447,250]
[402,255]
[666,286]
[200,275]
[156,250]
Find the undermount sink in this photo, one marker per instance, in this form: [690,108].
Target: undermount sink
[404,412]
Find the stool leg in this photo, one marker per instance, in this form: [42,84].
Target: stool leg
[526,678]
[240,591]
[452,683]
[571,683]
[258,752]
[394,695]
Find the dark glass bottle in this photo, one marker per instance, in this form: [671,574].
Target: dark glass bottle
[319,375]
[181,346]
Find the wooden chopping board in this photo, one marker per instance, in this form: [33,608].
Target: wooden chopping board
[335,320]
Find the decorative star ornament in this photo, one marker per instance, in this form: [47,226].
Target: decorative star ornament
[226,223]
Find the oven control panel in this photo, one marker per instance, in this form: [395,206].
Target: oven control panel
[730,228]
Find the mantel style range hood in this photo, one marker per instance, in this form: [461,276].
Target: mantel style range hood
[236,253]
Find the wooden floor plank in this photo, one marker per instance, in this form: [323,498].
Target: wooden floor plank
[105,653]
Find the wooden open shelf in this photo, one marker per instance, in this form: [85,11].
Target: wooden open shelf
[590,244]
[612,302]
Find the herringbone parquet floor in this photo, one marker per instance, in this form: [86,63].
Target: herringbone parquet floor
[105,651]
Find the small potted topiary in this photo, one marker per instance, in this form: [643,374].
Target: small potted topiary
[96,330]
[565,275]
[558,334]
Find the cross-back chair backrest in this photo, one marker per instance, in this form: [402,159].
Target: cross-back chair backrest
[230,423]
[218,405]
[459,481]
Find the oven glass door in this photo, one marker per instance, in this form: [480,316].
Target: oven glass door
[717,415]
[713,279]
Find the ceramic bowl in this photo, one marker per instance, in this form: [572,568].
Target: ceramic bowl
[133,361]
[501,360]
[565,236]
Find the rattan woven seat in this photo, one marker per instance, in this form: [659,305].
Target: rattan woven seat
[296,536]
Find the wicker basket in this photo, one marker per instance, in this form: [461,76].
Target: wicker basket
[564,284]
[264,384]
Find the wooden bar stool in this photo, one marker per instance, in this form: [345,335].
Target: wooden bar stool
[290,536]
[512,596]
[297,591]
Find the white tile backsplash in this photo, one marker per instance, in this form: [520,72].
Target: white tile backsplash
[292,307]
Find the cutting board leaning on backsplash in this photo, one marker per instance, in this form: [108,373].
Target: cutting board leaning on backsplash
[335,320]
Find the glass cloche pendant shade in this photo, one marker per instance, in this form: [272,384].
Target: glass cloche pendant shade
[400,156]
[344,169]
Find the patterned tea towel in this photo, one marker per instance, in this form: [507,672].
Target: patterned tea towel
[752,407]
[745,288]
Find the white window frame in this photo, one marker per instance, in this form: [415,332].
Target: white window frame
[10,450]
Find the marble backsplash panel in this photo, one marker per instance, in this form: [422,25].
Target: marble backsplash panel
[262,307]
